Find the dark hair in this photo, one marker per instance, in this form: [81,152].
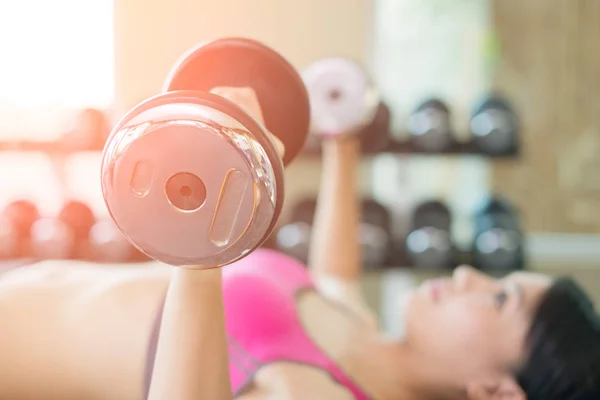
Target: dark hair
[564,347]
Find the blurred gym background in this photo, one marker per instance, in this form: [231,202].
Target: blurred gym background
[61,57]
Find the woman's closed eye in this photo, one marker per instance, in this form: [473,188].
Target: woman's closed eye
[500,299]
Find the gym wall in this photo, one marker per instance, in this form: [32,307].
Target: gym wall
[151,34]
[550,63]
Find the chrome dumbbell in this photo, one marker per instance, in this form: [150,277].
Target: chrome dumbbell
[343,98]
[192,179]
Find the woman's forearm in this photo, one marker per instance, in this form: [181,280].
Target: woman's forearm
[334,247]
[192,358]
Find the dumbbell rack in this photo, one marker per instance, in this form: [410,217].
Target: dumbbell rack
[404,147]
[59,150]
[397,146]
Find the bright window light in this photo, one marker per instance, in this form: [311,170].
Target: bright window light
[56,57]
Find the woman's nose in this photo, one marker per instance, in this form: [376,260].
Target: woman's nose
[468,278]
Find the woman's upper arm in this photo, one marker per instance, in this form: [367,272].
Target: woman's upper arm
[347,293]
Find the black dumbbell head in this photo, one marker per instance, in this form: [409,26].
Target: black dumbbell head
[493,101]
[376,213]
[498,241]
[433,213]
[497,211]
[375,233]
[494,125]
[239,62]
[304,211]
[377,136]
[433,104]
[430,126]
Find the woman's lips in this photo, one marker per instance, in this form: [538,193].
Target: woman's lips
[434,289]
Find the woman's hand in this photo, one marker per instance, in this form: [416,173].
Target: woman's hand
[246,98]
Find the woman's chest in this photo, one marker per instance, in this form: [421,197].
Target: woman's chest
[309,358]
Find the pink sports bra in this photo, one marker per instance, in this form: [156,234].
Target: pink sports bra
[263,325]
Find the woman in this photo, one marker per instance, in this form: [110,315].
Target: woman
[83,331]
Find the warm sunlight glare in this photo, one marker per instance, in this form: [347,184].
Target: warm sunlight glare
[56,55]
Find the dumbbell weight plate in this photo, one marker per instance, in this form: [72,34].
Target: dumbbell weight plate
[429,243]
[374,233]
[342,98]
[498,249]
[429,247]
[79,217]
[21,214]
[429,126]
[498,242]
[188,191]
[375,242]
[108,243]
[494,126]
[89,131]
[242,62]
[16,220]
[376,136]
[52,239]
[294,239]
[9,239]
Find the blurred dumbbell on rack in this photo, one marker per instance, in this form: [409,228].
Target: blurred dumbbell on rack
[374,233]
[429,243]
[494,127]
[16,220]
[293,238]
[75,233]
[377,137]
[498,241]
[63,236]
[108,244]
[430,127]
[90,131]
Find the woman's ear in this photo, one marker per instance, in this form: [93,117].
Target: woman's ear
[501,389]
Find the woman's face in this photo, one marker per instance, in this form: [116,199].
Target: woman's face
[472,325]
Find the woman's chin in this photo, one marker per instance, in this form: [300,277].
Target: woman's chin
[406,300]
[405,306]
